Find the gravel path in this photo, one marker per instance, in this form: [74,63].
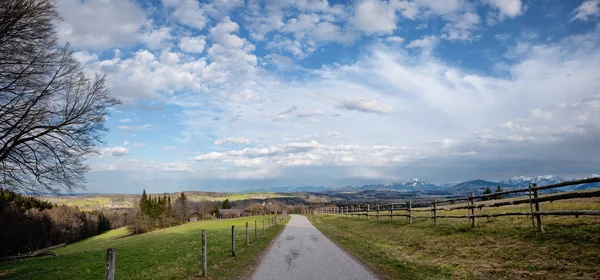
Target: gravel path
[303,252]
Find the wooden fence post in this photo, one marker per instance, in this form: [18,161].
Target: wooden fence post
[537,209]
[247,236]
[391,212]
[377,212]
[263,225]
[233,241]
[474,219]
[434,214]
[204,253]
[111,255]
[368,208]
[409,213]
[255,231]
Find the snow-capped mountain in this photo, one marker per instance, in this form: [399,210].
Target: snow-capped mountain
[524,181]
[407,185]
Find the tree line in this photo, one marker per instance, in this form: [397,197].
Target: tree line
[28,224]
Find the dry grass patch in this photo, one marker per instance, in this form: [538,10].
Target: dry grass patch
[498,248]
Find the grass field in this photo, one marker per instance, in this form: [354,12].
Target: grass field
[171,253]
[498,248]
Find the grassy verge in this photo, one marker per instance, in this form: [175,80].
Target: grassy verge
[172,253]
[498,248]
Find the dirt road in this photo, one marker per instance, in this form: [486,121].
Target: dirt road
[303,252]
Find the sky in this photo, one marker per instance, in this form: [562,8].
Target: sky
[227,95]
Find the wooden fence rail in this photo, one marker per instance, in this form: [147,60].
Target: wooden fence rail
[111,253]
[475,203]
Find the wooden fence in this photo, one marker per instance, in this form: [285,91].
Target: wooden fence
[111,253]
[407,210]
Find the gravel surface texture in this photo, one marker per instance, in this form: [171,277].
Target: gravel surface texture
[303,252]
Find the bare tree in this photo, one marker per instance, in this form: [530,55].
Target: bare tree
[51,115]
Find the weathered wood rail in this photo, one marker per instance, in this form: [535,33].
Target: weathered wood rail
[473,203]
[111,253]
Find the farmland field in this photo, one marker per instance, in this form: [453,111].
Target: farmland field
[171,253]
[129,200]
[498,248]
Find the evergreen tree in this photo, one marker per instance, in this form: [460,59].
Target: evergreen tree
[488,190]
[226,204]
[499,196]
[144,202]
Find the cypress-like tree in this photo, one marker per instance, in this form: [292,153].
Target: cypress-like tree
[499,196]
[488,190]
[226,204]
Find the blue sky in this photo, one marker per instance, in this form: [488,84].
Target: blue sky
[228,95]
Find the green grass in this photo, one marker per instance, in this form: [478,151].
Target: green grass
[127,201]
[498,248]
[171,253]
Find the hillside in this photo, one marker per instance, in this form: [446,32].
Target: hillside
[172,253]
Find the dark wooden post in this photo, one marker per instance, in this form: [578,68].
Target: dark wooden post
[247,236]
[368,208]
[111,256]
[377,212]
[233,241]
[473,219]
[434,213]
[204,253]
[391,212]
[537,209]
[409,212]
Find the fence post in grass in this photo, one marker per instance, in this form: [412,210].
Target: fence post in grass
[377,211]
[537,209]
[203,253]
[263,225]
[409,213]
[391,212]
[110,263]
[247,236]
[434,213]
[473,218]
[255,230]
[233,241]
[368,208]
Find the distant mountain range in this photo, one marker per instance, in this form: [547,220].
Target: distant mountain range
[452,188]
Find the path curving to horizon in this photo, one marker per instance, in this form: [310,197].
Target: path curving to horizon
[303,252]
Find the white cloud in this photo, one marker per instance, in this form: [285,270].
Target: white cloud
[192,44]
[187,12]
[540,114]
[311,153]
[374,16]
[139,145]
[133,128]
[426,43]
[233,141]
[503,36]
[157,39]
[364,105]
[334,135]
[116,151]
[441,7]
[395,39]
[510,8]
[125,120]
[99,24]
[587,10]
[461,26]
